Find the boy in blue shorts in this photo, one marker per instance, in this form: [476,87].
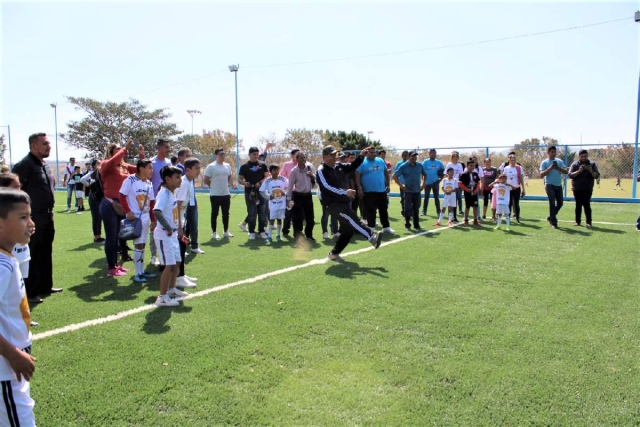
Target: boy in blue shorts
[16,363]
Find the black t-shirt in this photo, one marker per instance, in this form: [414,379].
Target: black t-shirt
[76,178]
[490,175]
[469,179]
[253,172]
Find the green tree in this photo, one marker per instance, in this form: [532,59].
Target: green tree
[350,141]
[108,122]
[3,149]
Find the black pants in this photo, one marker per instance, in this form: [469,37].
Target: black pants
[402,203]
[302,211]
[583,200]
[514,202]
[191,226]
[183,253]
[412,209]
[376,202]
[324,221]
[96,219]
[287,221]
[40,280]
[349,225]
[435,189]
[217,203]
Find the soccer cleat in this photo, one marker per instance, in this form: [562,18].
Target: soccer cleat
[140,279]
[437,224]
[243,227]
[450,224]
[121,268]
[176,293]
[215,236]
[252,236]
[149,275]
[155,261]
[184,283]
[388,230]
[376,239]
[325,235]
[269,240]
[34,324]
[227,234]
[115,272]
[335,257]
[263,235]
[166,301]
[197,251]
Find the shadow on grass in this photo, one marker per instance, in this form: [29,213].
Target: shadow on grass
[523,223]
[574,231]
[608,230]
[213,243]
[156,320]
[91,245]
[254,245]
[348,270]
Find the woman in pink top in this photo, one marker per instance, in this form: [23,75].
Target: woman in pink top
[113,171]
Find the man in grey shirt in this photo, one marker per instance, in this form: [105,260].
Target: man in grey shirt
[217,176]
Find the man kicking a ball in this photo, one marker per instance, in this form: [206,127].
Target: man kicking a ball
[333,181]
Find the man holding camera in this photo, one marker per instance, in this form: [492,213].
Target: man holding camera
[583,174]
[551,170]
[251,176]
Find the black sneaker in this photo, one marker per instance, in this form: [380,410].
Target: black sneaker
[408,227]
[376,239]
[335,257]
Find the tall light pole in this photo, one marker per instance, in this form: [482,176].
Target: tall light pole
[369,132]
[634,187]
[9,138]
[55,114]
[234,69]
[193,113]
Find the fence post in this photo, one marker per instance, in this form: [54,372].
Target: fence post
[634,185]
[487,153]
[566,163]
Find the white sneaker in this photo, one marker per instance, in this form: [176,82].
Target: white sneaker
[183,282]
[78,213]
[243,227]
[155,260]
[166,301]
[215,236]
[325,235]
[263,235]
[227,234]
[252,236]
[388,230]
[191,279]
[197,251]
[176,293]
[67,210]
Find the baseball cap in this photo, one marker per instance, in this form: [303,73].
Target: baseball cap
[329,149]
[413,153]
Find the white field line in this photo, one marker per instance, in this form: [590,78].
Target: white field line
[131,312]
[596,222]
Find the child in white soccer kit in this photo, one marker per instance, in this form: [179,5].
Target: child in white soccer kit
[449,186]
[166,235]
[137,199]
[274,189]
[16,363]
[502,192]
[184,194]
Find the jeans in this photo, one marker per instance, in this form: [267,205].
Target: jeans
[324,221]
[71,191]
[256,208]
[111,222]
[40,280]
[459,200]
[583,200]
[412,209]
[435,188]
[96,219]
[191,227]
[302,212]
[376,202]
[218,203]
[514,202]
[554,193]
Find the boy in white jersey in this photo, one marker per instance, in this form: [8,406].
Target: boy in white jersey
[166,235]
[502,194]
[20,252]
[184,195]
[16,363]
[449,187]
[275,190]
[137,199]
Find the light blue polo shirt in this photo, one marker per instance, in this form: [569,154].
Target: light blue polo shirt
[431,168]
[395,169]
[412,176]
[372,173]
[555,176]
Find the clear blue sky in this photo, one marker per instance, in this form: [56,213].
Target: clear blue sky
[566,84]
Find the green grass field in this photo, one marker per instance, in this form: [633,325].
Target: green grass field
[466,326]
